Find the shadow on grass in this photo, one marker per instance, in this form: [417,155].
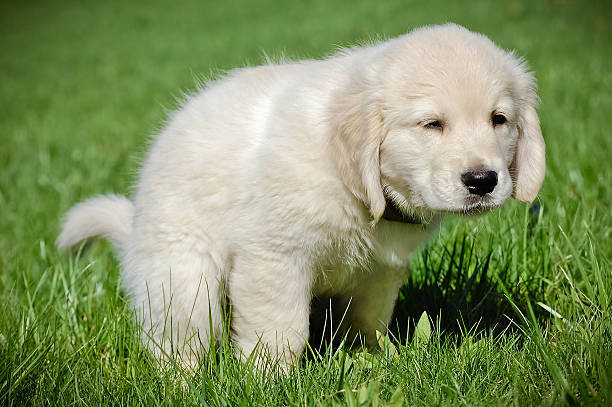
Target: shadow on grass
[461,292]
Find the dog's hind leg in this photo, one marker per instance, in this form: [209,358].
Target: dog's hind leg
[177,291]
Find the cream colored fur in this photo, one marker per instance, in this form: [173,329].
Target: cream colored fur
[269,186]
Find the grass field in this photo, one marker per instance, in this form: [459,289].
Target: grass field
[518,300]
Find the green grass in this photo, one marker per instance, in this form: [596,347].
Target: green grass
[519,301]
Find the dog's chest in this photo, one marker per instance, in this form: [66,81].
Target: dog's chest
[393,244]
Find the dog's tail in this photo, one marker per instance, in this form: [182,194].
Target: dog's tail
[107,216]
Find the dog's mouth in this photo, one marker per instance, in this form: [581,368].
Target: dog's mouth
[477,205]
[472,206]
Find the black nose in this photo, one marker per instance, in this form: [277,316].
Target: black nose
[479,182]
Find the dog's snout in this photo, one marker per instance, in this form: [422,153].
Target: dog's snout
[479,182]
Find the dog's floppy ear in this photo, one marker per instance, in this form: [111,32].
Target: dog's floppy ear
[529,164]
[358,131]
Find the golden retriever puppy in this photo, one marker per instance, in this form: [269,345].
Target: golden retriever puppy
[278,183]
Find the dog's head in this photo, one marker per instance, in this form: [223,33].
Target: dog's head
[445,121]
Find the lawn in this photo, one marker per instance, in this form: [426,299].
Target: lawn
[517,303]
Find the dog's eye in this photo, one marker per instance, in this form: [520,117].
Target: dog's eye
[434,124]
[498,119]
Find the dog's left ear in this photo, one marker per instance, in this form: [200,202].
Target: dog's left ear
[369,167]
[358,132]
[529,164]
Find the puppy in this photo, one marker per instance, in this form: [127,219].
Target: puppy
[279,183]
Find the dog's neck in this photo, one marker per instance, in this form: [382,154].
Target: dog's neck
[394,214]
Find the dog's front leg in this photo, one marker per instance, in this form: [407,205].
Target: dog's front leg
[270,294]
[369,306]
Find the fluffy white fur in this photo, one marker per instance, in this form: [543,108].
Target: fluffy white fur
[269,186]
